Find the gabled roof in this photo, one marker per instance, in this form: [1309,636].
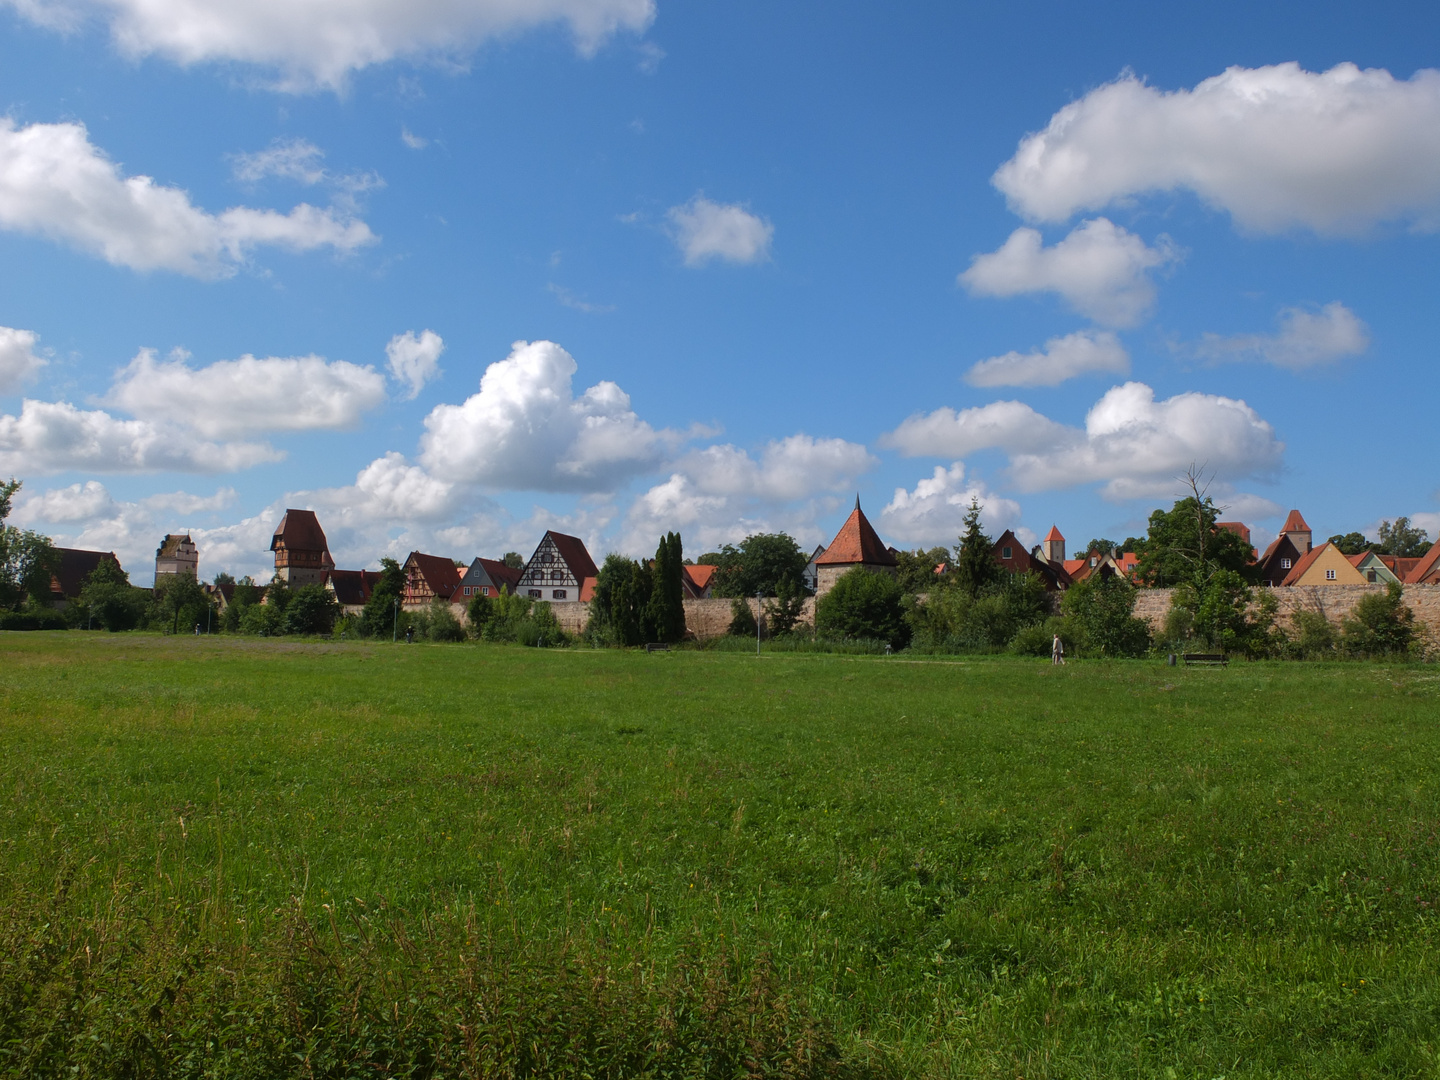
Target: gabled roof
[1054,534]
[856,542]
[1239,528]
[171,544]
[504,576]
[442,575]
[699,575]
[352,587]
[1303,563]
[1294,523]
[75,566]
[1426,565]
[299,530]
[572,550]
[587,590]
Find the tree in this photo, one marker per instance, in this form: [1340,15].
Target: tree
[443,625]
[311,609]
[1102,611]
[915,570]
[783,613]
[178,599]
[1183,544]
[664,618]
[742,619]
[975,565]
[619,602]
[222,578]
[28,560]
[1101,547]
[863,605]
[758,564]
[1379,625]
[379,617]
[1352,543]
[1402,539]
[112,601]
[478,612]
[514,560]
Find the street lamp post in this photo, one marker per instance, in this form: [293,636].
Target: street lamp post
[758,614]
[395,626]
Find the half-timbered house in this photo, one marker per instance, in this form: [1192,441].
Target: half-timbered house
[428,578]
[558,569]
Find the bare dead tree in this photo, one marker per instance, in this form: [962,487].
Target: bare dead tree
[1194,479]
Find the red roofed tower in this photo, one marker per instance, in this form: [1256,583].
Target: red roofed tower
[302,555]
[856,544]
[1298,531]
[1055,546]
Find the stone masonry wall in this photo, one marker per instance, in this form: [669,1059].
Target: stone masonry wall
[704,618]
[1332,601]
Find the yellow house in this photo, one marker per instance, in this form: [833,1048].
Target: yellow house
[1325,565]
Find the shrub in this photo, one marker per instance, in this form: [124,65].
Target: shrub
[443,625]
[952,620]
[114,603]
[1101,611]
[1314,637]
[32,620]
[863,604]
[1037,639]
[1380,625]
[742,619]
[312,609]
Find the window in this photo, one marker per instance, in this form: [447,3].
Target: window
[1284,564]
[484,590]
[557,594]
[1329,575]
[1370,576]
[467,590]
[1006,552]
[535,594]
[556,575]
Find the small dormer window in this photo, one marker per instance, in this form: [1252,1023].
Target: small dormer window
[1329,575]
[1093,560]
[1284,564]
[1006,553]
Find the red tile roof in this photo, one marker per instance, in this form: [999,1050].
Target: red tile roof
[1302,564]
[352,588]
[587,590]
[1239,528]
[1053,534]
[502,575]
[856,542]
[572,550]
[1426,565]
[1294,523]
[75,566]
[299,530]
[699,575]
[441,574]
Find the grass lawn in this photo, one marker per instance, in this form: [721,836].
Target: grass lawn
[229,857]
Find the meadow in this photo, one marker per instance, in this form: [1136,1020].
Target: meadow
[242,857]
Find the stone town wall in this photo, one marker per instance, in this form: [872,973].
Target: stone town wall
[1332,601]
[704,618]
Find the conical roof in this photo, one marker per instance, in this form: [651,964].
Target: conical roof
[856,542]
[1053,534]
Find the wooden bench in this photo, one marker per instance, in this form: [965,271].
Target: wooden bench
[657,646]
[1205,659]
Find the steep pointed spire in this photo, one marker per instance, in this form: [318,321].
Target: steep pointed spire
[856,542]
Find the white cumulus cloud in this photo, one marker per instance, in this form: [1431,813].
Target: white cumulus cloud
[934,512]
[1132,444]
[309,45]
[299,160]
[18,358]
[233,398]
[526,429]
[50,437]
[1100,269]
[1080,353]
[1305,339]
[705,230]
[55,183]
[1276,147]
[415,359]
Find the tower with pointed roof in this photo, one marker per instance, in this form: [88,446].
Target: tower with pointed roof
[856,544]
[1298,531]
[1286,551]
[302,554]
[1055,546]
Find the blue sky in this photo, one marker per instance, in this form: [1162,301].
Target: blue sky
[776,240]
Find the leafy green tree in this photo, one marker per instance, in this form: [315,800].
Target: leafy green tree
[178,601]
[27,559]
[1314,636]
[514,560]
[916,569]
[1403,539]
[664,616]
[951,620]
[1101,547]
[1183,545]
[619,602]
[114,604]
[758,564]
[379,617]
[975,566]
[311,609]
[478,612]
[1352,543]
[742,619]
[1379,625]
[222,578]
[1221,616]
[783,613]
[863,605]
[443,625]
[1102,612]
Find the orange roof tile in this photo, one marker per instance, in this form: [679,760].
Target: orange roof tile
[699,575]
[1053,534]
[1294,523]
[1426,565]
[856,542]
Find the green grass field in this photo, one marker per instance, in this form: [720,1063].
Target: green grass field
[226,857]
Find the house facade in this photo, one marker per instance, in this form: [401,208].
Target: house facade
[697,581]
[177,555]
[856,544]
[428,578]
[302,554]
[1011,555]
[811,574]
[1325,565]
[486,577]
[558,570]
[1292,545]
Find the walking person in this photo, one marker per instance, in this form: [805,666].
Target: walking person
[1057,651]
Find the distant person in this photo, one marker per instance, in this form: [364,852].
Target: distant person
[1057,651]
[197,629]
[409,635]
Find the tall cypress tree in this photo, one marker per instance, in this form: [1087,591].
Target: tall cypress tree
[665,613]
